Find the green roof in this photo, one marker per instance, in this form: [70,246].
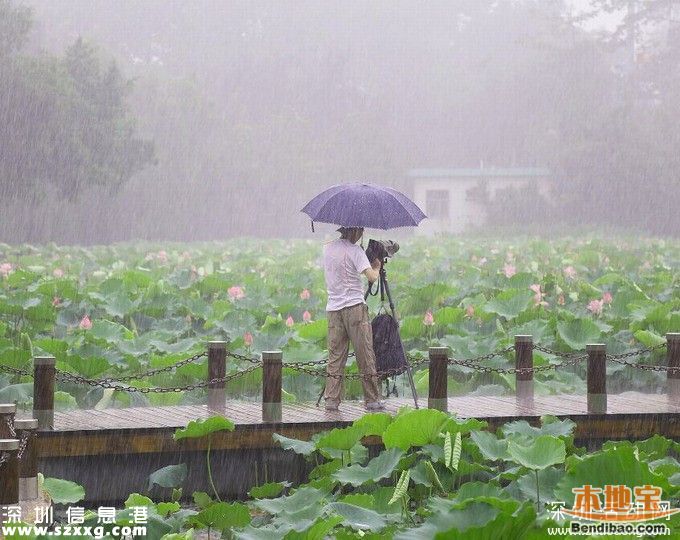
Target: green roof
[475,173]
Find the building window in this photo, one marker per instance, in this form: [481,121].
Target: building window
[437,203]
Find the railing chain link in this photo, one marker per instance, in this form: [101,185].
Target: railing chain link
[106,384]
[154,371]
[24,442]
[3,458]
[10,426]
[510,371]
[619,359]
[15,371]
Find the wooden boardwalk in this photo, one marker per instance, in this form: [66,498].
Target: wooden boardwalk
[149,429]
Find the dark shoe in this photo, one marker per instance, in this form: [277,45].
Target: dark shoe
[332,406]
[375,406]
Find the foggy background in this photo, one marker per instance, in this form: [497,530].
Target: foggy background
[207,119]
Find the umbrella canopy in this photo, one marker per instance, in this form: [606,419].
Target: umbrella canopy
[364,205]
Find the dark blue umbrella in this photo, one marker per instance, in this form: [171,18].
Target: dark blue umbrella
[364,205]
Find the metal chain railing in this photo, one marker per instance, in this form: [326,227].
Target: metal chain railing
[10,426]
[3,458]
[67,377]
[154,371]
[15,371]
[308,367]
[382,374]
[557,353]
[27,435]
[619,359]
[510,371]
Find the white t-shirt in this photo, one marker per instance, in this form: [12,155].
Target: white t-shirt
[343,264]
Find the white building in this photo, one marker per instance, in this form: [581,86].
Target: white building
[443,194]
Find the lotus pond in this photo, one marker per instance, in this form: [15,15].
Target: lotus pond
[117,310]
[437,477]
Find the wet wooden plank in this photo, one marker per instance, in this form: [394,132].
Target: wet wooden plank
[250,414]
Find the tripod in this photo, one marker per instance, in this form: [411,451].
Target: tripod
[384,288]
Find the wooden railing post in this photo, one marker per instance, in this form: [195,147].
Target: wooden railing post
[438,392]
[217,368]
[271,385]
[7,412]
[524,381]
[673,361]
[28,463]
[9,472]
[597,378]
[43,391]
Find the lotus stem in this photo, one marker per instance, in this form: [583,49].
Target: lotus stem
[210,478]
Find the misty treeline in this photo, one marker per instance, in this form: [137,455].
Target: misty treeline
[210,119]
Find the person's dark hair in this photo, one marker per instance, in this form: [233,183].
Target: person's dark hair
[345,232]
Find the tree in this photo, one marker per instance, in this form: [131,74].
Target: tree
[63,121]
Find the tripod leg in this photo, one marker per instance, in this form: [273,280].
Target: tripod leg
[321,395]
[413,386]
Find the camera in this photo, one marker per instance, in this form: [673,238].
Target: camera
[381,249]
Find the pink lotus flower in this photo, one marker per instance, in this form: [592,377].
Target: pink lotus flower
[56,301]
[307,316]
[248,339]
[607,297]
[289,321]
[428,319]
[595,306]
[5,269]
[569,272]
[58,272]
[470,311]
[162,256]
[482,261]
[538,297]
[85,323]
[646,266]
[509,270]
[236,292]
[304,295]
[560,299]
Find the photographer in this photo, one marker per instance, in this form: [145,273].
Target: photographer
[347,313]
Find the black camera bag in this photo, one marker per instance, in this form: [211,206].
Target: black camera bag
[387,345]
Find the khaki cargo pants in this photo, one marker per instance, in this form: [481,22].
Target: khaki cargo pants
[350,324]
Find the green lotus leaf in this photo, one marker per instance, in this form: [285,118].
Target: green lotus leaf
[541,453]
[303,498]
[168,477]
[304,448]
[22,393]
[221,516]
[269,490]
[578,333]
[373,423]
[490,446]
[360,519]
[63,491]
[379,467]
[649,338]
[547,482]
[509,303]
[414,428]
[201,428]
[314,331]
[550,425]
[317,531]
[474,515]
[614,466]
[341,438]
